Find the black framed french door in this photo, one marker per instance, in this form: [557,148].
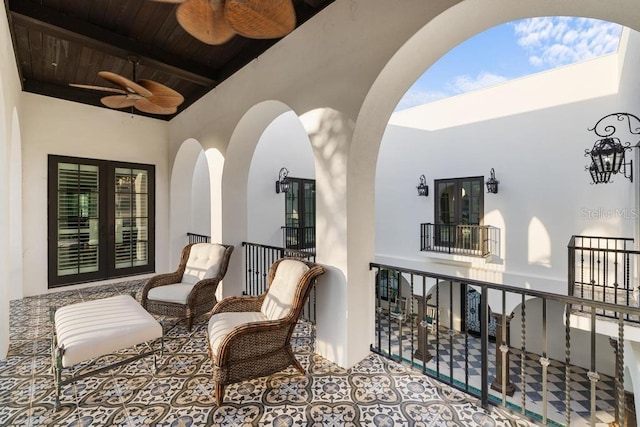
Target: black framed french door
[101,219]
[459,206]
[300,214]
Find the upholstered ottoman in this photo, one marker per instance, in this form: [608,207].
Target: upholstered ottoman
[91,329]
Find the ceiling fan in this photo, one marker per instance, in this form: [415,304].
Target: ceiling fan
[215,22]
[145,95]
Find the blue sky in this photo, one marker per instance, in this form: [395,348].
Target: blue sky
[512,50]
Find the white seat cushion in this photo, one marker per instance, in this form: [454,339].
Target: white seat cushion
[95,328]
[279,299]
[177,292]
[203,262]
[221,324]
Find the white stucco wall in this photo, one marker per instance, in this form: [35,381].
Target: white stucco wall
[359,80]
[533,131]
[284,143]
[10,181]
[52,126]
[201,198]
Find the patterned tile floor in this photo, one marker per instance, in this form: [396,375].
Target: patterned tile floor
[580,393]
[375,392]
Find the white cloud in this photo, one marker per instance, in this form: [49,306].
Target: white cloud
[464,83]
[556,41]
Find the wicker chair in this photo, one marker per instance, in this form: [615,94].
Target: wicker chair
[250,337]
[190,290]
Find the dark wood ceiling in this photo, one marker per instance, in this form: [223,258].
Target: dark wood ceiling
[58,42]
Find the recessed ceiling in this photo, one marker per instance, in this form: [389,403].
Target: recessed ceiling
[58,42]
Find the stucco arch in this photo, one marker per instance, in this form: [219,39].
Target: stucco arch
[441,34]
[181,190]
[15,208]
[450,28]
[234,182]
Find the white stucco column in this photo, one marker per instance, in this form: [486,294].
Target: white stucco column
[342,302]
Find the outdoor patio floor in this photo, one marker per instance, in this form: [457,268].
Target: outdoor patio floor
[375,392]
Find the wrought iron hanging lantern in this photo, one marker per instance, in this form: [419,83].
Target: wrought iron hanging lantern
[423,188]
[492,183]
[608,153]
[283,184]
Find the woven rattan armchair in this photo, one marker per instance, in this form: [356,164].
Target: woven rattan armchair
[191,290]
[250,337]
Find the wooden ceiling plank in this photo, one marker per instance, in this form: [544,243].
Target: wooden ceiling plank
[30,14]
[127,16]
[97,12]
[147,18]
[70,64]
[37,57]
[21,35]
[50,63]
[151,32]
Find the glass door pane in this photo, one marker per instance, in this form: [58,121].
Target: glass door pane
[309,217]
[131,210]
[445,223]
[77,219]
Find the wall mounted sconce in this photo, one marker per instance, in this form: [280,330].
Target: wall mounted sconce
[423,188]
[492,183]
[608,154]
[283,184]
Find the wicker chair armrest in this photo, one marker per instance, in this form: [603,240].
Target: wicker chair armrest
[203,289]
[160,280]
[238,303]
[253,339]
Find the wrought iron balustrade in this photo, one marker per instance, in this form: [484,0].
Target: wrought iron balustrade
[257,260]
[198,238]
[300,238]
[526,371]
[460,239]
[604,269]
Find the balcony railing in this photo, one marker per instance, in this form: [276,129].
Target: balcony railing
[198,238]
[299,238]
[472,240]
[604,269]
[257,260]
[432,335]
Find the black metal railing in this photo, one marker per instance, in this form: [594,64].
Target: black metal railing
[258,259]
[472,240]
[432,335]
[601,269]
[198,238]
[299,238]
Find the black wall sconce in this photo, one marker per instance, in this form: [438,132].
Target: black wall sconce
[492,183]
[283,184]
[423,188]
[608,153]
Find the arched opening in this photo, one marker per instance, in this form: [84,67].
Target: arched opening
[190,205]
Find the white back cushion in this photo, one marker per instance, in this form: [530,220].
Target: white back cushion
[279,299]
[203,263]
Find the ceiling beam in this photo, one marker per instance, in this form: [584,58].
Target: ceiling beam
[32,15]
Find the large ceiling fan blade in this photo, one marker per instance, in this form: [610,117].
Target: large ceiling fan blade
[125,83]
[101,88]
[260,19]
[162,95]
[204,20]
[147,106]
[118,101]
